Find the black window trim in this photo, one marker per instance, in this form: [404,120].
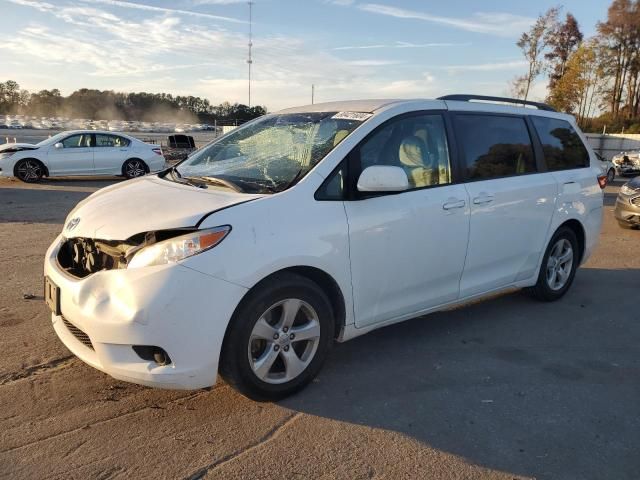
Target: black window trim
[352,162]
[533,138]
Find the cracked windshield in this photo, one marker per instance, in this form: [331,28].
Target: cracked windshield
[270,154]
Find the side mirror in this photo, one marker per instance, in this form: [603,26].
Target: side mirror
[382,178]
[58,145]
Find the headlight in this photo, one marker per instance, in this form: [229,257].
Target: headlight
[179,248]
[627,190]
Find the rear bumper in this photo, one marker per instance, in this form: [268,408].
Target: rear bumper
[170,306]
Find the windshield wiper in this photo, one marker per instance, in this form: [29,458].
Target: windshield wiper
[218,181]
[293,181]
[175,175]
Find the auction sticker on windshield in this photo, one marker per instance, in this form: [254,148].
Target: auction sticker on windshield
[359,116]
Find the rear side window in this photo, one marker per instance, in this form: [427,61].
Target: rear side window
[494,146]
[563,149]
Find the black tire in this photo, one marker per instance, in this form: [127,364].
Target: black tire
[29,170]
[611,175]
[134,167]
[235,362]
[542,290]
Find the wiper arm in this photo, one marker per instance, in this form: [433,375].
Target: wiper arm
[293,181]
[175,175]
[219,181]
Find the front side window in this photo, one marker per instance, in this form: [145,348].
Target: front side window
[494,146]
[417,144]
[77,141]
[563,149]
[271,153]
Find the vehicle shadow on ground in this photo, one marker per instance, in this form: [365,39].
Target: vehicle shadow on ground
[538,389]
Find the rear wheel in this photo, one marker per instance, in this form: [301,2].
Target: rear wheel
[134,167]
[558,267]
[278,338]
[29,170]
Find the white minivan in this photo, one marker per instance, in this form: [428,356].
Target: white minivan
[316,224]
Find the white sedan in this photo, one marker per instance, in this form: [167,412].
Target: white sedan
[80,152]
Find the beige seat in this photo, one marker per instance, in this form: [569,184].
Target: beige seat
[340,135]
[414,159]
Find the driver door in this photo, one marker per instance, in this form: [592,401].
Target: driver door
[407,249]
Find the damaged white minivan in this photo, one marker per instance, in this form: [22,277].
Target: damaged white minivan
[320,223]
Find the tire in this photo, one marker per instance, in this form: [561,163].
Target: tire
[29,170]
[134,167]
[259,359]
[550,288]
[611,175]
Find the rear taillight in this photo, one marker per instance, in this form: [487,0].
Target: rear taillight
[602,181]
[157,151]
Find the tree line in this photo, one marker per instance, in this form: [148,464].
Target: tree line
[109,105]
[596,79]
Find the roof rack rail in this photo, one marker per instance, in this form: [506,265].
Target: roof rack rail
[484,98]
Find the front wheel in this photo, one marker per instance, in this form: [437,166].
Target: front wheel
[29,170]
[558,267]
[133,168]
[278,338]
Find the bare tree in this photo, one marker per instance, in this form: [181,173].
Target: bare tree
[533,44]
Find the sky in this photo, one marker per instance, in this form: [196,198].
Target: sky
[348,49]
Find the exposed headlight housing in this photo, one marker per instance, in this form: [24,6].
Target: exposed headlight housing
[178,248]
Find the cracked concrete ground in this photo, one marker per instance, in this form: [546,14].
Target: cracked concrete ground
[504,388]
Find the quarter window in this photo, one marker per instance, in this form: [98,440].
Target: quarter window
[563,149]
[417,144]
[494,146]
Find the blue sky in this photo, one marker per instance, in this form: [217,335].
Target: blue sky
[347,48]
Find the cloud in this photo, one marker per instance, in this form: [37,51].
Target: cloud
[504,24]
[373,63]
[485,67]
[153,8]
[399,44]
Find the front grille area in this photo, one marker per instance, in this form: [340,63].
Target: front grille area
[79,334]
[636,201]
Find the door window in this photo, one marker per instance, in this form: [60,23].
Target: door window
[494,146]
[103,140]
[417,144]
[563,149]
[77,141]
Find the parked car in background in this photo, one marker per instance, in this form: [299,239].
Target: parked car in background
[178,148]
[608,168]
[80,152]
[318,223]
[627,163]
[627,210]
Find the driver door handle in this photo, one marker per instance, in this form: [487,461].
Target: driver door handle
[482,199]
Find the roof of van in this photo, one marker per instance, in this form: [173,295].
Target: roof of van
[372,105]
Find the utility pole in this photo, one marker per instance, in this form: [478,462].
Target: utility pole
[312,92]
[250,60]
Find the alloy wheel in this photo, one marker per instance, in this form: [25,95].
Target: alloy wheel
[134,169]
[284,341]
[559,264]
[29,170]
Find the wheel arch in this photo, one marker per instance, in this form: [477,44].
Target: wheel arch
[321,278]
[578,229]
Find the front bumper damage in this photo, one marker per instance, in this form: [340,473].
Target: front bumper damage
[105,314]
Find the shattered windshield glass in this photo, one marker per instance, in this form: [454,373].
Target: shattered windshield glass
[269,154]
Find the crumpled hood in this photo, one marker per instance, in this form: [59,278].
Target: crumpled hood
[145,204]
[16,147]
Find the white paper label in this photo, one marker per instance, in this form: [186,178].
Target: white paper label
[359,116]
